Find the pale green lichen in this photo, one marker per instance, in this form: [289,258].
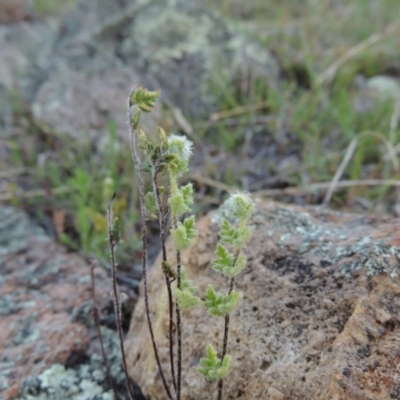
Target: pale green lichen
[165,37]
[376,257]
[84,382]
[16,229]
[9,304]
[189,34]
[322,239]
[58,382]
[7,368]
[28,331]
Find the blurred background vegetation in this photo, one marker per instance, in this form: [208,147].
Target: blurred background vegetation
[333,123]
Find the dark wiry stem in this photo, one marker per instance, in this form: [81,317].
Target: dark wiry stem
[112,243]
[97,323]
[178,319]
[226,328]
[143,209]
[168,281]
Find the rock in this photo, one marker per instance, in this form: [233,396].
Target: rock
[48,344]
[13,11]
[191,53]
[67,83]
[370,92]
[16,230]
[320,316]
[385,87]
[74,73]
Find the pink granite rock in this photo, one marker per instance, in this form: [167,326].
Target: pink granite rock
[45,313]
[320,317]
[13,11]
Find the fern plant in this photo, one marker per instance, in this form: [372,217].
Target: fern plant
[229,262]
[168,159]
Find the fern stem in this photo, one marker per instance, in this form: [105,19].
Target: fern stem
[226,327]
[96,318]
[168,281]
[112,243]
[143,209]
[178,319]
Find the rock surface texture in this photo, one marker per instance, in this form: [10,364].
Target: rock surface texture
[73,73]
[49,347]
[320,317]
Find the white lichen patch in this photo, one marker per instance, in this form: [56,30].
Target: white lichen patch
[311,235]
[16,230]
[83,382]
[377,257]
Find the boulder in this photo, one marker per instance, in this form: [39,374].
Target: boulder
[319,319]
[49,345]
[192,53]
[385,87]
[13,11]
[74,72]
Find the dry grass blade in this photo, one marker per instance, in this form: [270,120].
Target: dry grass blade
[238,111]
[349,153]
[394,120]
[207,199]
[10,173]
[35,193]
[325,185]
[211,182]
[183,123]
[330,72]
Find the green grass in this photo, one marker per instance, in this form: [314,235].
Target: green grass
[307,39]
[45,7]
[88,181]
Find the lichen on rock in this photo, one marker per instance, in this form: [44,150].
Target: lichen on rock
[308,326]
[190,51]
[16,230]
[75,82]
[86,381]
[49,344]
